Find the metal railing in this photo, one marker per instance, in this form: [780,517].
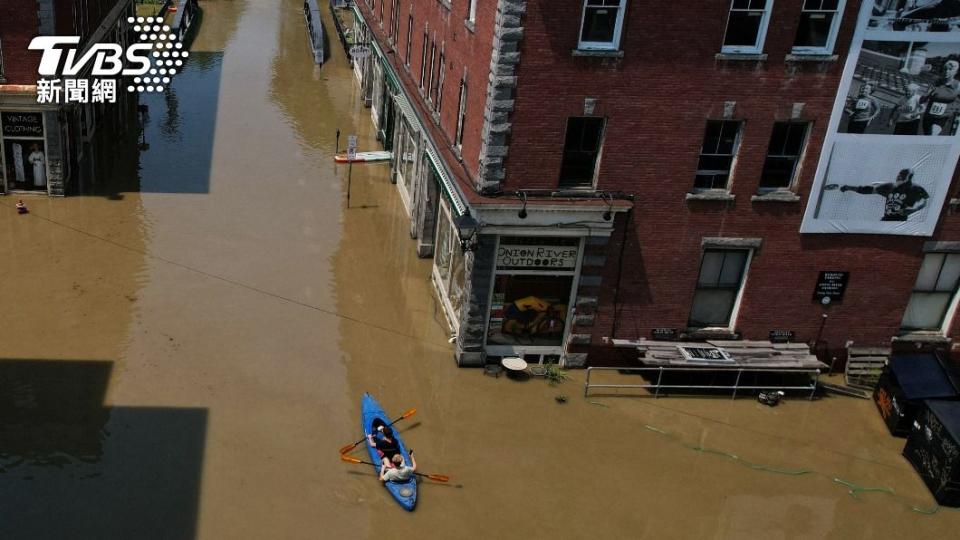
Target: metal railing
[736,386]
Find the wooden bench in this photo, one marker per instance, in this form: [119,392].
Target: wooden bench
[864,365]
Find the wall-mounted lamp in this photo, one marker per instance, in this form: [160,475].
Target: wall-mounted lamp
[467,229]
[522,195]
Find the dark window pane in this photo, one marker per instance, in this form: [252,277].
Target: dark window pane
[777,172]
[599,23]
[813,30]
[710,181]
[714,163]
[743,28]
[795,137]
[733,263]
[581,148]
[830,4]
[712,307]
[728,137]
[711,139]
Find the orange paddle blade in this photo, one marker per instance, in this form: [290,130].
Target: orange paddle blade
[348,448]
[438,477]
[408,414]
[350,459]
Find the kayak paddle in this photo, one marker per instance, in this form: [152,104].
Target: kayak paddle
[437,477]
[350,447]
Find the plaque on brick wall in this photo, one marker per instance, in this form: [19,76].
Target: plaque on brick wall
[781,336]
[830,286]
[664,334]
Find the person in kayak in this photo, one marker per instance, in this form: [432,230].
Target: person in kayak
[386,445]
[400,472]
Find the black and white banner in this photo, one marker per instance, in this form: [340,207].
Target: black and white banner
[892,144]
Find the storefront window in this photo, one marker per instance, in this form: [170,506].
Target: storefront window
[532,289]
[449,271]
[24,151]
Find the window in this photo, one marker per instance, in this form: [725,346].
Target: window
[382,2]
[440,82]
[581,149]
[601,24]
[472,17]
[406,56]
[433,65]
[395,19]
[746,26]
[819,20]
[783,155]
[1,60]
[462,114]
[935,287]
[716,156]
[449,270]
[423,58]
[718,287]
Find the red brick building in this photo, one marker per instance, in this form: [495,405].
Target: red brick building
[62,137]
[628,167]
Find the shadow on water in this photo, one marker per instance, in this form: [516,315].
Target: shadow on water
[178,133]
[71,467]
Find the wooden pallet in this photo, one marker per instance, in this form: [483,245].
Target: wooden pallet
[864,366]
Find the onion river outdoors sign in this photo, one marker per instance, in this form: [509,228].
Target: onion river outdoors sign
[536,257]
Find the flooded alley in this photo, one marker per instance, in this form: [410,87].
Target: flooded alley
[185,347]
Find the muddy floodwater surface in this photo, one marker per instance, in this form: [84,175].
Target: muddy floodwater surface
[184,348]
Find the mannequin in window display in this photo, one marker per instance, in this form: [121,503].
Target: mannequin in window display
[38,160]
[937,116]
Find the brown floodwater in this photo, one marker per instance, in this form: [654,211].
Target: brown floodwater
[184,350]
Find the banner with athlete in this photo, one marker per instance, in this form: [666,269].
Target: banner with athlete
[892,144]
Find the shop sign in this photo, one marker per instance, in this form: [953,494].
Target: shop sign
[359,51]
[533,257]
[831,286]
[17,124]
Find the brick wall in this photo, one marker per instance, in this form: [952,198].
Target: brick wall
[463,49]
[657,99]
[20,23]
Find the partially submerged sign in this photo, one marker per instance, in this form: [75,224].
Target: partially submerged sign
[359,51]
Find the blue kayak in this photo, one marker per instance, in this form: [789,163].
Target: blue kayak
[404,492]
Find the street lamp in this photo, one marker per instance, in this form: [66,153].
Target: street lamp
[467,229]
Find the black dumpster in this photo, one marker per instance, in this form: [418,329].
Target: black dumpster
[906,381]
[933,448]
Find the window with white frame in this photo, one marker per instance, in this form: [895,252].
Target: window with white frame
[472,11]
[933,292]
[601,24]
[783,155]
[423,57]
[449,270]
[440,78]
[406,56]
[747,26]
[719,148]
[819,21]
[719,285]
[461,114]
